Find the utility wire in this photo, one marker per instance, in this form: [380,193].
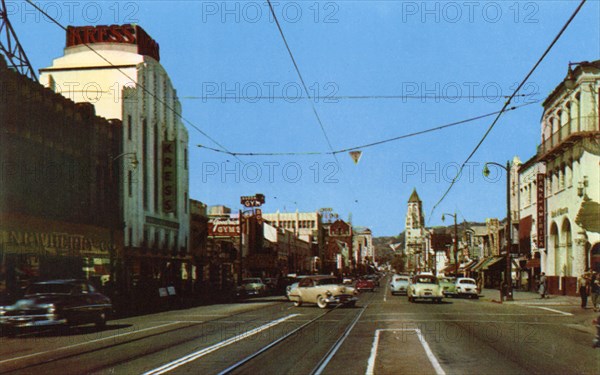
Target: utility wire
[556,38]
[133,80]
[351,97]
[368,144]
[302,80]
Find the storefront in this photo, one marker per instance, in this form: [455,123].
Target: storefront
[34,249]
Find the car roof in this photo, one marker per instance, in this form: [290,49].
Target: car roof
[61,281]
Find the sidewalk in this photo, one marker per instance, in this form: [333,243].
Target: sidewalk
[532,298]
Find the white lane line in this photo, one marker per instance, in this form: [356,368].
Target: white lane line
[432,359]
[86,342]
[201,353]
[549,309]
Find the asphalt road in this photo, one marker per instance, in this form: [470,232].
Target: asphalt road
[383,334]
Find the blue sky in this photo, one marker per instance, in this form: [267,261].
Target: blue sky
[369,49]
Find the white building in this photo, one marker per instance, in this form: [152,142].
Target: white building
[417,239]
[362,245]
[117,69]
[570,132]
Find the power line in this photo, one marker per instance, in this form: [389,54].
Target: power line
[302,80]
[562,30]
[133,80]
[420,132]
[351,97]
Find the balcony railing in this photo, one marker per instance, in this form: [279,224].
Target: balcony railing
[565,135]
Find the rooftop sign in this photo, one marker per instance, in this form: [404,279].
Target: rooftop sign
[125,34]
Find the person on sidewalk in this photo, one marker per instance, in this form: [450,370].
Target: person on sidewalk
[583,286]
[595,289]
[543,289]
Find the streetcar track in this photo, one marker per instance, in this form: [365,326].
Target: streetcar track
[322,362]
[127,341]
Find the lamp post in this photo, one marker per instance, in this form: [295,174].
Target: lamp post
[455,241]
[507,275]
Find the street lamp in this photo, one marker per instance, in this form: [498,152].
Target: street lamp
[455,240]
[508,272]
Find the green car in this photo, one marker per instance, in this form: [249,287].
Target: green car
[448,285]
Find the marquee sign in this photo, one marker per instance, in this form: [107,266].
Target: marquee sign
[541,210]
[125,34]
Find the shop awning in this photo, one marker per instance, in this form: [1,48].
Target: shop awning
[449,269]
[477,266]
[468,266]
[494,263]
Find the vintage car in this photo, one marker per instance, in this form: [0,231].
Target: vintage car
[424,287]
[57,302]
[399,284]
[253,286]
[324,291]
[448,285]
[364,284]
[466,287]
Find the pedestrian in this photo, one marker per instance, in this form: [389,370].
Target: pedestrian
[583,286]
[543,290]
[595,289]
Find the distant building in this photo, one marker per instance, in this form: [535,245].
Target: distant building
[417,241]
[338,256]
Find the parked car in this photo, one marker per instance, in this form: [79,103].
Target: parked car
[324,291]
[55,303]
[253,286]
[448,285]
[399,284]
[364,284]
[373,277]
[467,287]
[424,287]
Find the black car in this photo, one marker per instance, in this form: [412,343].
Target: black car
[57,302]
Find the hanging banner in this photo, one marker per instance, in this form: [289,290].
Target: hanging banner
[541,210]
[169,177]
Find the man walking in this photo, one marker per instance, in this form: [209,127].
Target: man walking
[583,286]
[543,285]
[595,286]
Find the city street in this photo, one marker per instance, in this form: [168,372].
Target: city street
[383,334]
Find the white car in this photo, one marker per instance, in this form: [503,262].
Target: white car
[399,284]
[324,291]
[466,286]
[424,287]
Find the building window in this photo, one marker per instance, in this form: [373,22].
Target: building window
[156,239]
[129,127]
[130,183]
[130,235]
[185,202]
[185,159]
[569,172]
[144,155]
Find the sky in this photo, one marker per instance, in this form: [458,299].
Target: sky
[374,70]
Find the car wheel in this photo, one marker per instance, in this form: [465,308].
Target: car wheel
[101,320]
[351,304]
[410,299]
[321,302]
[298,303]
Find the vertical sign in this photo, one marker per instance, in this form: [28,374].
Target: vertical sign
[541,210]
[169,177]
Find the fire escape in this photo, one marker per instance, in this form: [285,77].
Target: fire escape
[11,48]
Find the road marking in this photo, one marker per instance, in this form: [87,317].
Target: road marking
[386,291]
[432,359]
[549,309]
[85,343]
[337,346]
[201,353]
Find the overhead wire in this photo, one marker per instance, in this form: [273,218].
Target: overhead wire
[373,144]
[507,103]
[133,80]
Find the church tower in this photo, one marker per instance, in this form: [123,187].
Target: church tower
[414,231]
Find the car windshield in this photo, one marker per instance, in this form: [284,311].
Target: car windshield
[425,280]
[49,289]
[401,280]
[327,281]
[468,282]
